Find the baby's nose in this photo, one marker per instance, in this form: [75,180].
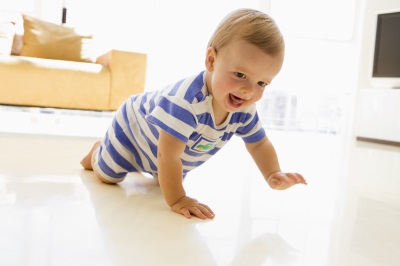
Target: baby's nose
[248,91]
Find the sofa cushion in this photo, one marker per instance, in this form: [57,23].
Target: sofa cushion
[48,40]
[53,83]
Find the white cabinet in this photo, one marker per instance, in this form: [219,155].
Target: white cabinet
[378,114]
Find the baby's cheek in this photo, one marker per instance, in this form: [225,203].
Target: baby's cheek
[258,96]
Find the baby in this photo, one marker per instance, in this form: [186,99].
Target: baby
[171,131]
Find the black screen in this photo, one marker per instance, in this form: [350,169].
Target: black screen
[387,46]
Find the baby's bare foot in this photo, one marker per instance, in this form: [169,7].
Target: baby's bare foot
[87,160]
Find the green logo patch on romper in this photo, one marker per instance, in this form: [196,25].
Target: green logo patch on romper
[204,145]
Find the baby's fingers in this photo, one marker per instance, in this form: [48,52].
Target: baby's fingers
[185,212]
[201,211]
[283,181]
[188,207]
[198,212]
[207,211]
[296,178]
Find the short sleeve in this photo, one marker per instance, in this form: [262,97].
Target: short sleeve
[175,116]
[252,131]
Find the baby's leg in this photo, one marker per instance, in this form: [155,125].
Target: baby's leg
[88,160]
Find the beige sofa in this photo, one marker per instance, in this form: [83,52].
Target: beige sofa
[42,82]
[101,83]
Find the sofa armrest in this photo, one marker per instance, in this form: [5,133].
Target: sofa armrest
[128,75]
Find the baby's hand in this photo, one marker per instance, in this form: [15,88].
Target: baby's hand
[281,181]
[187,206]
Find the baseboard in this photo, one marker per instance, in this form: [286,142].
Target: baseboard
[380,141]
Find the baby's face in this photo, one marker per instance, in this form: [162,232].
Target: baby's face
[238,74]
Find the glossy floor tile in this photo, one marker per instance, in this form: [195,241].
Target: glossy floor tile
[54,213]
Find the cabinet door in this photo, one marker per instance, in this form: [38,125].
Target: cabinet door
[378,114]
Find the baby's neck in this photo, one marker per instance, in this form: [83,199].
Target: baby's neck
[220,115]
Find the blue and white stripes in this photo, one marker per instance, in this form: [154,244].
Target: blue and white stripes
[184,110]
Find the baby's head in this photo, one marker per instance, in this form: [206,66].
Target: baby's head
[252,26]
[243,56]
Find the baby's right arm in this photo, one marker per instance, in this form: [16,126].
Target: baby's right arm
[170,172]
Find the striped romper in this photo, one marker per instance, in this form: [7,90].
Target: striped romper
[184,110]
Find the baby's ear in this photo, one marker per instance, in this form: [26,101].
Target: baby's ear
[210,58]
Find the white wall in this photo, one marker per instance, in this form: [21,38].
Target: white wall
[50,10]
[321,62]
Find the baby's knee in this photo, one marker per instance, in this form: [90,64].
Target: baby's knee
[106,180]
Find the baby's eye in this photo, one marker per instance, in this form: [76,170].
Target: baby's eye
[262,84]
[240,75]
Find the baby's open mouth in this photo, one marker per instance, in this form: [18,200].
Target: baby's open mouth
[236,101]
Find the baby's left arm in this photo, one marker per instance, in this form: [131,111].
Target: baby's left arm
[264,155]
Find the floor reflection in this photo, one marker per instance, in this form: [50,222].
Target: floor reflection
[271,248]
[139,229]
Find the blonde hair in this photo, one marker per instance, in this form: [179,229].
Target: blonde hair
[249,25]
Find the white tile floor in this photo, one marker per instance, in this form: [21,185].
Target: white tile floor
[54,213]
